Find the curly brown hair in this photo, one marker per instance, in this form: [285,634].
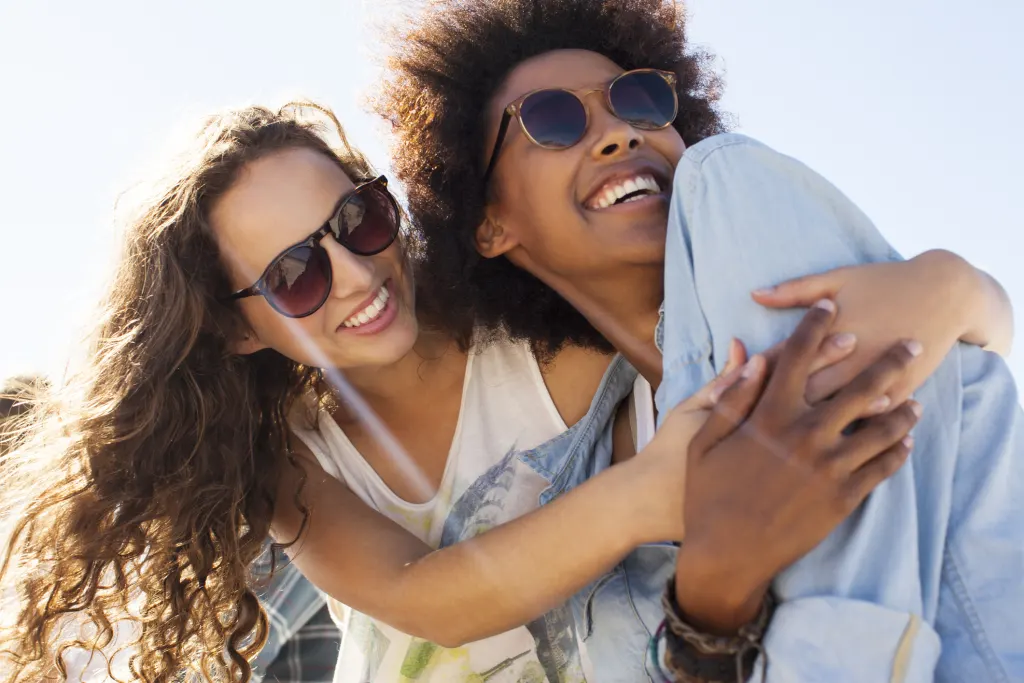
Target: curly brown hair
[147,482]
[444,71]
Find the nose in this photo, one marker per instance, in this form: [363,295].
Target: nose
[351,274]
[612,136]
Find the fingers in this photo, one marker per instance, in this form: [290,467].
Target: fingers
[789,377]
[737,356]
[834,349]
[866,394]
[802,291]
[708,394]
[862,482]
[729,375]
[734,406]
[876,435]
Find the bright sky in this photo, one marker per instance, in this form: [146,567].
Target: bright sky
[915,109]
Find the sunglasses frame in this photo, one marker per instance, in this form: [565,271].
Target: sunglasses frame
[259,288]
[515,109]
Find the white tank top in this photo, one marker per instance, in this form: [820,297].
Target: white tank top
[505,406]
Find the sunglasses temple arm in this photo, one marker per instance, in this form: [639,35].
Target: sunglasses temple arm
[506,118]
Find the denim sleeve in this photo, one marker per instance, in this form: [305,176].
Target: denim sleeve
[862,605]
[981,603]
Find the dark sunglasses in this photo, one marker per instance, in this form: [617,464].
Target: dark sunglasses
[556,118]
[298,280]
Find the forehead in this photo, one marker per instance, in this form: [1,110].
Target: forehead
[277,201]
[570,69]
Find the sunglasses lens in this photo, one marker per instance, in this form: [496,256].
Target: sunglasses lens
[554,118]
[298,283]
[368,221]
[644,99]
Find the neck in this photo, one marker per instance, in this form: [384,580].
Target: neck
[623,307]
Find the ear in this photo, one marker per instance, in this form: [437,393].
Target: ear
[493,240]
[248,344]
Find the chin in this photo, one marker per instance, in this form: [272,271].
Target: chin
[641,245]
[394,343]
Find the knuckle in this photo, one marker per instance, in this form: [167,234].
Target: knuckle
[881,374]
[813,429]
[891,427]
[833,469]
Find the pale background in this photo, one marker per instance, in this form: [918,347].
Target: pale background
[914,108]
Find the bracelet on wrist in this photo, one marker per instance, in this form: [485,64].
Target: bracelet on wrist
[691,656]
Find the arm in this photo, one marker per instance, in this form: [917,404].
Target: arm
[993,329]
[936,297]
[473,589]
[493,582]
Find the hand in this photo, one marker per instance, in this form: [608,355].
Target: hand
[667,471]
[769,476]
[932,298]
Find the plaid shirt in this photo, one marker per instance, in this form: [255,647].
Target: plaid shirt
[304,641]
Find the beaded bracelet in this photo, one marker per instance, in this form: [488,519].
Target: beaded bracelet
[695,657]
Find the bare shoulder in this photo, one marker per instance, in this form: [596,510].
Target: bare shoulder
[572,377]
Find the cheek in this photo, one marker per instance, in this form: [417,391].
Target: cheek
[394,263]
[540,202]
[288,336]
[668,144]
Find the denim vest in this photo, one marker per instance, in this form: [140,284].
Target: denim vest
[615,615]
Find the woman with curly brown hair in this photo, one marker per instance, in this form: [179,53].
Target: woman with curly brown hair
[541,142]
[212,411]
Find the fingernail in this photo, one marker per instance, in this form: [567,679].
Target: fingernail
[750,369]
[845,340]
[764,291]
[826,304]
[914,347]
[908,441]
[880,404]
[916,408]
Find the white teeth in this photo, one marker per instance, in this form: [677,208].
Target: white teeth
[372,311]
[612,194]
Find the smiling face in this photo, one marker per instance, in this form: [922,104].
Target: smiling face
[587,210]
[368,318]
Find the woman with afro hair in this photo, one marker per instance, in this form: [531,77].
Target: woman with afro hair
[571,174]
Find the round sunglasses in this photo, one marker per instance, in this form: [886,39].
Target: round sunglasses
[298,281]
[556,118]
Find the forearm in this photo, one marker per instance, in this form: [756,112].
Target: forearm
[516,572]
[498,580]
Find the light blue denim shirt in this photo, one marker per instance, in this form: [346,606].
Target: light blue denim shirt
[926,580]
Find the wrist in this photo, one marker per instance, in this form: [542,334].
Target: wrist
[655,499]
[717,597]
[640,518]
